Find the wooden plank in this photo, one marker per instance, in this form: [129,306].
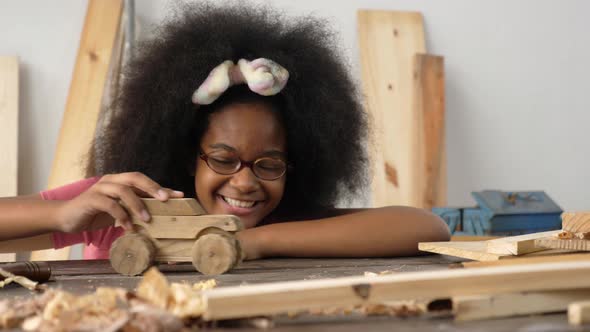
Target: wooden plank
[101,27]
[429,108]
[476,250]
[266,299]
[578,313]
[569,244]
[174,207]
[467,308]
[517,245]
[472,238]
[576,222]
[9,132]
[521,260]
[388,41]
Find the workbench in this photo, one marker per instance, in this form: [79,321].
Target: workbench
[84,276]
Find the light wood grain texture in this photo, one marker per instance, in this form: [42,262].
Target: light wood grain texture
[187,227]
[173,207]
[388,41]
[429,108]
[476,250]
[132,253]
[569,244]
[79,121]
[466,308]
[578,313]
[517,245]
[8,132]
[576,222]
[266,299]
[521,260]
[215,252]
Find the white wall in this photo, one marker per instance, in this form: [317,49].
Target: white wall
[516,78]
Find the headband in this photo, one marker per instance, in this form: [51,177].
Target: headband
[264,77]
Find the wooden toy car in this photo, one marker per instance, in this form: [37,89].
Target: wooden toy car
[179,231]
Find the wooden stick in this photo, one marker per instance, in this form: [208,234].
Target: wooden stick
[572,257]
[517,245]
[466,308]
[265,299]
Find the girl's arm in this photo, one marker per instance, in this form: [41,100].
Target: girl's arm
[380,232]
[27,216]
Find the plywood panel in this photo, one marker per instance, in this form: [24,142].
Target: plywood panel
[388,42]
[79,121]
[8,132]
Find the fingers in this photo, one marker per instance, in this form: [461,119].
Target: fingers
[114,209]
[142,183]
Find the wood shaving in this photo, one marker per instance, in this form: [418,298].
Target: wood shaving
[23,281]
[566,235]
[156,306]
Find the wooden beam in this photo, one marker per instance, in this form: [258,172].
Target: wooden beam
[578,313]
[388,41]
[466,308]
[569,244]
[273,298]
[79,121]
[517,245]
[576,222]
[174,207]
[521,260]
[429,109]
[8,132]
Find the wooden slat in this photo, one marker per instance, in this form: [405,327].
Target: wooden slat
[174,207]
[429,108]
[578,313]
[466,308]
[266,299]
[569,244]
[518,245]
[101,27]
[475,250]
[388,41]
[8,132]
[521,260]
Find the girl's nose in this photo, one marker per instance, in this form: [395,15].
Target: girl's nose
[245,180]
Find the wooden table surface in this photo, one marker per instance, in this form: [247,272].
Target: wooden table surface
[84,276]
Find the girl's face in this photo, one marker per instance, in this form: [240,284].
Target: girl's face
[247,131]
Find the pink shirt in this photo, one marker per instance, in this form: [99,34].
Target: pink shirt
[98,242]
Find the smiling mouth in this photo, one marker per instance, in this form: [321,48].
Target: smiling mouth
[238,203]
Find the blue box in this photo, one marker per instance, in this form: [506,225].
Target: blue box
[503,213]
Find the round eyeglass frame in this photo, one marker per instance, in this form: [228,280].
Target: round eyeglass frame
[242,164]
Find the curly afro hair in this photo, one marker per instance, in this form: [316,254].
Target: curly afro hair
[156,129]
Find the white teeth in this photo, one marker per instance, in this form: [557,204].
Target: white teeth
[236,203]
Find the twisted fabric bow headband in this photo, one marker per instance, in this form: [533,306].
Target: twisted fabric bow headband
[264,77]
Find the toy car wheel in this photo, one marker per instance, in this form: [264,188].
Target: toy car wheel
[215,251]
[131,254]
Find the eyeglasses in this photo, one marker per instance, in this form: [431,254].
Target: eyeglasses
[265,168]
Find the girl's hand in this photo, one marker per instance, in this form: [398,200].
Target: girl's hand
[102,204]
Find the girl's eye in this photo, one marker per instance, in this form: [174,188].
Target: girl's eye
[224,161]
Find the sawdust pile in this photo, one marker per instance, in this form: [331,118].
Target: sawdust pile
[155,306]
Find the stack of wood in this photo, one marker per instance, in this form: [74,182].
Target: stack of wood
[571,244]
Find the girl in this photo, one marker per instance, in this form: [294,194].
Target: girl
[251,113]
